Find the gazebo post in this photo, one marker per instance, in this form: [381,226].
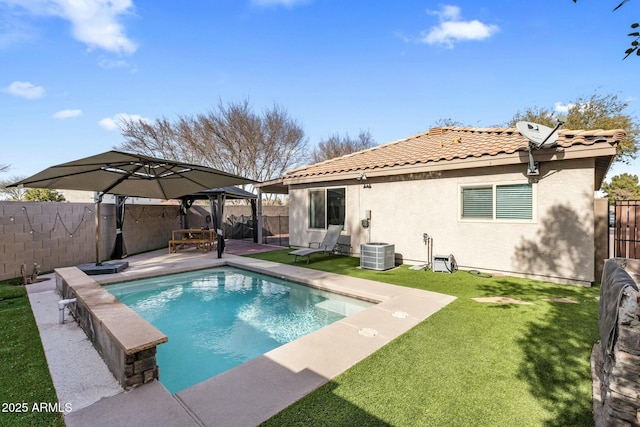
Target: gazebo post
[98,202]
[254,217]
[221,198]
[259,216]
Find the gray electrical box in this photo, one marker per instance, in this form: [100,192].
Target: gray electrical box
[444,264]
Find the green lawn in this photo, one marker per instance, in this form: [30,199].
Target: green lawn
[469,364]
[24,373]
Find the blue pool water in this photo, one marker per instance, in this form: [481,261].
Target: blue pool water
[219,318]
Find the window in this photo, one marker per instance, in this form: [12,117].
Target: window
[514,201]
[316,209]
[498,202]
[477,202]
[326,207]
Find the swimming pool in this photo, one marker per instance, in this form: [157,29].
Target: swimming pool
[221,317]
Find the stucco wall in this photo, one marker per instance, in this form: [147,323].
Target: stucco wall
[557,245]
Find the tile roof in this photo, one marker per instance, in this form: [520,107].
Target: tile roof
[445,144]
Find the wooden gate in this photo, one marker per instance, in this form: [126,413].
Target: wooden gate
[627,229]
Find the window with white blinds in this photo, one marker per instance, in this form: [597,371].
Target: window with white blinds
[477,202]
[514,201]
[498,202]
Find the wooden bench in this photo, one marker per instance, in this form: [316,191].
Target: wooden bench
[203,244]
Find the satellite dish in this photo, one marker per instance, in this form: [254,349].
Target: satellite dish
[539,136]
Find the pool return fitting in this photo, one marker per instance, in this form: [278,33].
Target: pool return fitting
[61,305]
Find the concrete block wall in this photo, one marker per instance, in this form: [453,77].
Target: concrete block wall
[61,234]
[49,234]
[275,218]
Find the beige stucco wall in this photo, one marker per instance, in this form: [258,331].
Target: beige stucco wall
[557,245]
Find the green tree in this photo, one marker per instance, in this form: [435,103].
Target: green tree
[337,145]
[588,113]
[634,34]
[43,195]
[622,187]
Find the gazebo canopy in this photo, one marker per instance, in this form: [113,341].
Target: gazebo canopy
[229,193]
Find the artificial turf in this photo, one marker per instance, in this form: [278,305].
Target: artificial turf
[27,395]
[468,364]
[471,363]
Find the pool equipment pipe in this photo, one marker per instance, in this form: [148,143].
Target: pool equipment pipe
[61,305]
[428,242]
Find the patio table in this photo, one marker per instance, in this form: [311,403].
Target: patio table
[203,239]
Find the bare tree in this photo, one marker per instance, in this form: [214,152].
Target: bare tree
[157,139]
[4,168]
[336,146]
[14,194]
[440,123]
[232,138]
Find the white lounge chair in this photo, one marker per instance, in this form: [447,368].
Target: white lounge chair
[327,245]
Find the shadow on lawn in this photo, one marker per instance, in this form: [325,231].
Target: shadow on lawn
[556,347]
[556,365]
[324,408]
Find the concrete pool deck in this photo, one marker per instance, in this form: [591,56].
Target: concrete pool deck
[246,395]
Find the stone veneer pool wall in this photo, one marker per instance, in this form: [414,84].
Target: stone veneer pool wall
[615,359]
[126,341]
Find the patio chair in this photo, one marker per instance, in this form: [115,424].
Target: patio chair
[327,245]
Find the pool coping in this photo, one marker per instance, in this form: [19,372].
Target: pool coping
[126,341]
[256,390]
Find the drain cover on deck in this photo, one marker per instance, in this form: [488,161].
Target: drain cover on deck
[368,332]
[400,314]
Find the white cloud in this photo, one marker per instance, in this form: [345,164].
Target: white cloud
[67,114]
[107,63]
[113,123]
[286,3]
[25,90]
[453,29]
[94,22]
[13,30]
[561,108]
[447,13]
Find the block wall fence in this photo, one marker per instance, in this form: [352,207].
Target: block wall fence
[63,234]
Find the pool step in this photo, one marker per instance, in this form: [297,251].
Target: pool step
[342,308]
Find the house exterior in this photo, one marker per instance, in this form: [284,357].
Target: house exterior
[468,189]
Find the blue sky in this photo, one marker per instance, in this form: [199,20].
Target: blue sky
[70,68]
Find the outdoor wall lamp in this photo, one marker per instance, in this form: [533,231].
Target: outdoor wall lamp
[363,177]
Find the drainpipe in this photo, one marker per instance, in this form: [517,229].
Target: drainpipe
[61,305]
